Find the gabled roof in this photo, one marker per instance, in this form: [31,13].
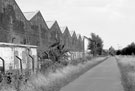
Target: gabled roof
[77,35]
[50,23]
[63,29]
[71,33]
[74,35]
[30,15]
[80,37]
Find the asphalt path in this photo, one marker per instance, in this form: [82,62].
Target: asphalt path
[103,77]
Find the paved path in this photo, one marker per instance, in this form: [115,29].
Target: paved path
[104,77]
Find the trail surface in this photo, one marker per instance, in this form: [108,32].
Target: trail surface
[104,77]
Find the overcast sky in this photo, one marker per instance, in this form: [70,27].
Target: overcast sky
[112,20]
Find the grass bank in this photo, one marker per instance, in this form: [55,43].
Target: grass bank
[54,81]
[127,68]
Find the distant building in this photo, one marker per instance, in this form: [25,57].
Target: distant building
[80,43]
[66,37]
[86,43]
[74,42]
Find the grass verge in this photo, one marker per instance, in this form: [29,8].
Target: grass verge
[54,81]
[127,69]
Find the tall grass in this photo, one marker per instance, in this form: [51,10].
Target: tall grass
[62,77]
[127,69]
[54,81]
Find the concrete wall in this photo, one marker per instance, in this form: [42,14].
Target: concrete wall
[11,52]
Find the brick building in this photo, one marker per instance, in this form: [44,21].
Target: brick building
[74,42]
[31,28]
[66,37]
[55,32]
[13,24]
[40,29]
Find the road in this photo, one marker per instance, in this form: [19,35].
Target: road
[104,77]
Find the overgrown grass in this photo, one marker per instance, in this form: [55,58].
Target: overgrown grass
[127,69]
[53,81]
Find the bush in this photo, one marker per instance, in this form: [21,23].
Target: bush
[88,57]
[46,64]
[56,66]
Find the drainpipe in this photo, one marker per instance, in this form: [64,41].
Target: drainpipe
[31,58]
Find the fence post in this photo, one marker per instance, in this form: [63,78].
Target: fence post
[32,62]
[20,63]
[3,61]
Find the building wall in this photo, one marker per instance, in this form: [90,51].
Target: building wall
[41,30]
[15,28]
[55,34]
[80,43]
[10,53]
[12,22]
[67,39]
[74,42]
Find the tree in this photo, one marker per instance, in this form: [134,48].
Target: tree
[105,52]
[118,52]
[95,44]
[112,51]
[129,50]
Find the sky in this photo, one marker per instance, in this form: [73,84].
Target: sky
[112,20]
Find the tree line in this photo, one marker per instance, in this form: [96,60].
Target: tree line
[128,50]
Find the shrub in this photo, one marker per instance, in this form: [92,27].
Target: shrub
[46,64]
[56,54]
